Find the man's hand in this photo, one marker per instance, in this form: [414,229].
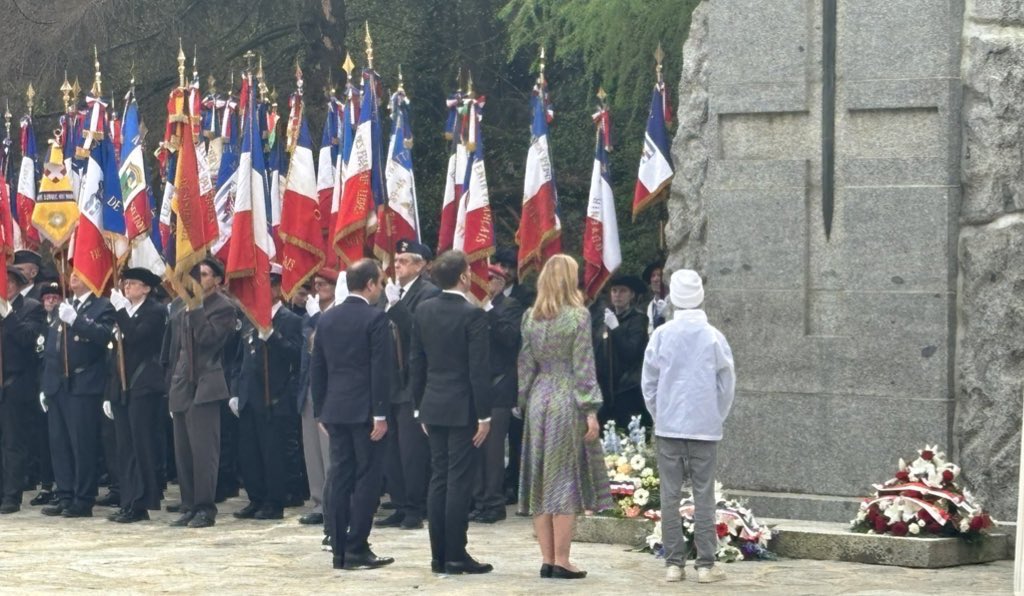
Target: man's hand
[592,428]
[67,313]
[392,291]
[380,428]
[482,428]
[312,304]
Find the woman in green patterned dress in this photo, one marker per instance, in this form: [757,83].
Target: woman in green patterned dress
[562,473]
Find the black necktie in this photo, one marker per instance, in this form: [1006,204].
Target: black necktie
[76,303]
[401,292]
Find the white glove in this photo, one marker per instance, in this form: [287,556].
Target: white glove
[517,413]
[67,313]
[312,305]
[107,410]
[392,291]
[610,320]
[118,301]
[265,335]
[42,402]
[233,404]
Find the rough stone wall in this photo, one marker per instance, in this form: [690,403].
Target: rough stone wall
[686,230]
[990,325]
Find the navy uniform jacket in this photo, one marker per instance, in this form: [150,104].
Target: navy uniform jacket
[88,342]
[352,361]
[141,334]
[401,314]
[449,362]
[21,332]
[282,348]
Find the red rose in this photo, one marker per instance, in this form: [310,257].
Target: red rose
[902,476]
[722,529]
[947,476]
[927,455]
[881,524]
[933,528]
[870,516]
[977,523]
[899,529]
[924,516]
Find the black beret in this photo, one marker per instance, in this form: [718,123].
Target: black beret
[141,274]
[27,256]
[50,288]
[411,246]
[507,256]
[630,281]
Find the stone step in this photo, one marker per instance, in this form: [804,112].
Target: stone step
[824,541]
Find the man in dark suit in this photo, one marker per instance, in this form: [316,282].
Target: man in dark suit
[23,322]
[450,378]
[408,457]
[264,402]
[504,314]
[29,263]
[51,294]
[197,386]
[74,378]
[135,406]
[350,379]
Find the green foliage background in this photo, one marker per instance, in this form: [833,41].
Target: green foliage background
[589,43]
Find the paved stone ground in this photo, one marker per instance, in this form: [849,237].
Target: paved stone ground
[39,554]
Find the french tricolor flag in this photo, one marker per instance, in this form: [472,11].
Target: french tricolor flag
[540,231]
[25,201]
[251,248]
[400,215]
[602,254]
[325,175]
[655,175]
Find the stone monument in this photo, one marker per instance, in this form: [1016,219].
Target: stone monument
[850,181]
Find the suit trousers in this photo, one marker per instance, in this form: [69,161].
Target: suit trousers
[676,459]
[15,425]
[39,455]
[74,444]
[110,465]
[316,446]
[261,455]
[489,484]
[355,479]
[197,455]
[452,456]
[408,461]
[227,467]
[515,452]
[138,426]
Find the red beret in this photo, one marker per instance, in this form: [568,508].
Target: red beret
[496,271]
[329,274]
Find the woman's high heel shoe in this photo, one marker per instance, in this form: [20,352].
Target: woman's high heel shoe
[559,572]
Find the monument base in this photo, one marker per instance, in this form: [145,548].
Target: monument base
[613,530]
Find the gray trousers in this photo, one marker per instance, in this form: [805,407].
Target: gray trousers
[676,459]
[197,455]
[316,448]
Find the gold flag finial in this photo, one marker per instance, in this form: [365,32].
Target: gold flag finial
[540,78]
[298,76]
[97,85]
[30,95]
[65,92]
[469,83]
[248,55]
[601,95]
[261,84]
[401,80]
[349,66]
[7,117]
[195,58]
[369,46]
[659,57]
[75,90]
[181,65]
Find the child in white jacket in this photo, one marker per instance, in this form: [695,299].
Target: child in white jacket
[689,383]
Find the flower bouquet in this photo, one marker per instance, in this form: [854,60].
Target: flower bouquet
[740,535]
[923,499]
[632,468]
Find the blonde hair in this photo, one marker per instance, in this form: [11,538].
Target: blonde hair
[557,288]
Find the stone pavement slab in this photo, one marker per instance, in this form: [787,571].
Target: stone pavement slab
[39,555]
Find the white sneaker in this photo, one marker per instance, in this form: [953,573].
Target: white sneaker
[710,575]
[674,573]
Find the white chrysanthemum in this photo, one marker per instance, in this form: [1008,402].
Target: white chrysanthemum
[622,461]
[914,529]
[646,473]
[641,496]
[638,462]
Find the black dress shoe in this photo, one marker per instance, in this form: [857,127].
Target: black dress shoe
[559,572]
[113,516]
[76,510]
[111,499]
[55,509]
[412,522]
[43,498]
[325,544]
[132,516]
[311,519]
[392,521]
[338,562]
[545,570]
[202,519]
[365,560]
[268,512]
[388,506]
[294,501]
[469,565]
[436,566]
[491,516]
[173,507]
[247,512]
[182,520]
[474,514]
[10,507]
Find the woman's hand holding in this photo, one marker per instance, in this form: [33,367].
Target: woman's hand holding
[592,428]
